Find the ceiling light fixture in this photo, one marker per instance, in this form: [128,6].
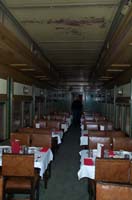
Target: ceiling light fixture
[106,77]
[115,70]
[120,65]
[44,76]
[42,79]
[18,64]
[27,69]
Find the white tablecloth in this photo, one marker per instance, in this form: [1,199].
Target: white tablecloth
[42,159]
[86,171]
[64,126]
[58,137]
[83,140]
[82,126]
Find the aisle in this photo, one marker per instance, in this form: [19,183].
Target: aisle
[64,183]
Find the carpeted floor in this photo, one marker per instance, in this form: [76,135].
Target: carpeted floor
[64,183]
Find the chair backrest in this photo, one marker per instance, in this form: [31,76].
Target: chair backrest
[122,143]
[53,124]
[59,117]
[112,170]
[112,191]
[89,118]
[115,134]
[106,126]
[97,133]
[42,131]
[1,187]
[131,172]
[109,126]
[18,165]
[92,126]
[26,130]
[24,138]
[42,123]
[93,141]
[41,140]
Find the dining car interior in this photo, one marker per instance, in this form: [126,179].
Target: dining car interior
[66,99]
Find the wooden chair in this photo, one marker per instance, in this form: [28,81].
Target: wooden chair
[53,124]
[112,170]
[42,123]
[131,172]
[1,187]
[19,174]
[122,143]
[115,134]
[109,170]
[26,130]
[93,141]
[22,137]
[45,131]
[109,126]
[41,140]
[92,126]
[54,140]
[96,133]
[113,191]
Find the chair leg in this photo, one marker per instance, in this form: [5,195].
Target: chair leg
[45,177]
[37,191]
[49,170]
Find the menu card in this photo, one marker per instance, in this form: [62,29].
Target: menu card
[37,125]
[102,127]
[100,150]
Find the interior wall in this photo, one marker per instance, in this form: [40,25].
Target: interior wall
[58,101]
[19,89]
[90,104]
[126,90]
[3,86]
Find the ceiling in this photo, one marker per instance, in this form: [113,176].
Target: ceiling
[84,42]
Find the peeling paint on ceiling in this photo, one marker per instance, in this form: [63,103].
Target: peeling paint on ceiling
[78,22]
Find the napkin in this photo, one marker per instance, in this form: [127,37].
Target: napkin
[44,149]
[111,153]
[88,161]
[15,146]
[57,131]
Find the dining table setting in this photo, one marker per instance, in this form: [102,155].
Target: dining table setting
[88,159]
[42,156]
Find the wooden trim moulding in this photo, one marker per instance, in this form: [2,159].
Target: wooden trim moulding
[22,98]
[3,97]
